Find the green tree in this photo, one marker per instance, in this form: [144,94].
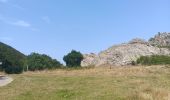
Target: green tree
[10,57]
[37,61]
[73,59]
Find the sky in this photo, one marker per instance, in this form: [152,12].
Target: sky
[55,27]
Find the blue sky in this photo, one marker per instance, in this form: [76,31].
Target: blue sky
[55,27]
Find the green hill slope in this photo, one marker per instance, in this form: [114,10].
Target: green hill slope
[10,56]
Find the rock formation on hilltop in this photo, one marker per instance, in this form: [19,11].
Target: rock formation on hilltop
[124,54]
[161,40]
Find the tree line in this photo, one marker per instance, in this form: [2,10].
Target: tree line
[14,62]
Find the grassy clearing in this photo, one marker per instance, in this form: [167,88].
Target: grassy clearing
[127,83]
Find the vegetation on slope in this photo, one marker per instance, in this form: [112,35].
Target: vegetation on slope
[154,60]
[14,62]
[10,57]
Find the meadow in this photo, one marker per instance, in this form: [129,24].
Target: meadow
[103,83]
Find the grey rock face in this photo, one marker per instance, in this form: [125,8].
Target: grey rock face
[161,39]
[89,59]
[123,54]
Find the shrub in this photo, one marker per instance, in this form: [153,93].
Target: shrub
[13,70]
[73,59]
[133,63]
[154,60]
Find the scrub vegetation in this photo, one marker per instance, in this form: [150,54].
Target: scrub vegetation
[154,60]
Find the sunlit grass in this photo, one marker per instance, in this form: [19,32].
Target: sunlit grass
[119,83]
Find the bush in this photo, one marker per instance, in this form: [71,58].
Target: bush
[73,59]
[8,67]
[37,61]
[154,60]
[133,63]
[13,70]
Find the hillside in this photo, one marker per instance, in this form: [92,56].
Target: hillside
[13,56]
[125,54]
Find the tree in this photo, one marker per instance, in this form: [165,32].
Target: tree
[10,57]
[5,64]
[37,61]
[73,59]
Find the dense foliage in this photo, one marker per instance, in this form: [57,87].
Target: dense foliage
[73,59]
[13,70]
[37,61]
[154,60]
[11,57]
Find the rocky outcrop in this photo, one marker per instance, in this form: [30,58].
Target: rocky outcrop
[89,59]
[161,40]
[123,54]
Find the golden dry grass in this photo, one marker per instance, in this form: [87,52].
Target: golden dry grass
[118,83]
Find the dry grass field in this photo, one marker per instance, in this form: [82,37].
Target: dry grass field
[118,83]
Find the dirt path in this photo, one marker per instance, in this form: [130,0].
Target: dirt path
[4,80]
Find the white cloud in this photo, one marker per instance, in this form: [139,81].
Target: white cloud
[46,19]
[21,23]
[11,4]
[16,22]
[4,1]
